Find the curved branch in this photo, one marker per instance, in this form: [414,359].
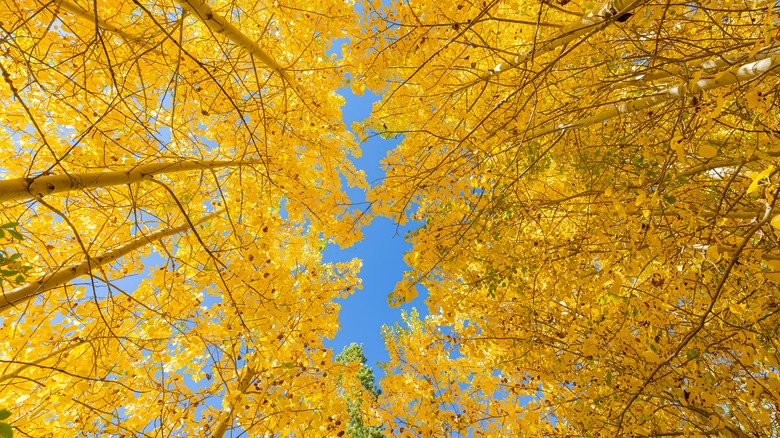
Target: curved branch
[64,275]
[14,374]
[220,25]
[103,24]
[593,21]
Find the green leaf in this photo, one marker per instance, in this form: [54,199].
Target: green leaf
[10,225]
[2,233]
[6,431]
[609,378]
[4,413]
[15,234]
[691,354]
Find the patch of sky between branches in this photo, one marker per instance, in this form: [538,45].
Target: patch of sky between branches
[363,314]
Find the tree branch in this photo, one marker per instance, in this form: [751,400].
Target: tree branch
[737,74]
[27,188]
[65,274]
[220,25]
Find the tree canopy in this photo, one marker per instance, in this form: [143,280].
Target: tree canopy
[595,182]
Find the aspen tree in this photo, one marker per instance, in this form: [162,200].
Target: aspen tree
[171,186]
[598,199]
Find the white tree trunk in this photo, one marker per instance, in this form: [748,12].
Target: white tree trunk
[27,188]
[710,64]
[743,73]
[220,25]
[227,416]
[593,21]
[66,274]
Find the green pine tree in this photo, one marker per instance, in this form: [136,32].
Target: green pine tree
[356,427]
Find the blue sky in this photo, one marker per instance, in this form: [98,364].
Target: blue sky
[365,312]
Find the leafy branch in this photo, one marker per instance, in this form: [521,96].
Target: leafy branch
[11,267]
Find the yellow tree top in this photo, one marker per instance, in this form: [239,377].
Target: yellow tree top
[597,187]
[174,169]
[596,184]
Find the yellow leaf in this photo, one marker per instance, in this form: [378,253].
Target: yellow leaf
[697,76]
[712,253]
[775,222]
[616,284]
[752,99]
[719,101]
[640,199]
[774,277]
[763,174]
[677,145]
[708,151]
[651,356]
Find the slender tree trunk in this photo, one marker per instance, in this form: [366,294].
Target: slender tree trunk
[27,188]
[593,21]
[64,275]
[220,25]
[227,416]
[710,64]
[742,73]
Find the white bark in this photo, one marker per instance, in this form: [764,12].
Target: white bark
[26,188]
[220,25]
[738,74]
[710,64]
[66,274]
[593,21]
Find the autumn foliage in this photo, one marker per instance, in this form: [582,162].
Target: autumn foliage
[137,129]
[596,187]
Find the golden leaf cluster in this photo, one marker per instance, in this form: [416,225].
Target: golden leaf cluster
[593,188]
